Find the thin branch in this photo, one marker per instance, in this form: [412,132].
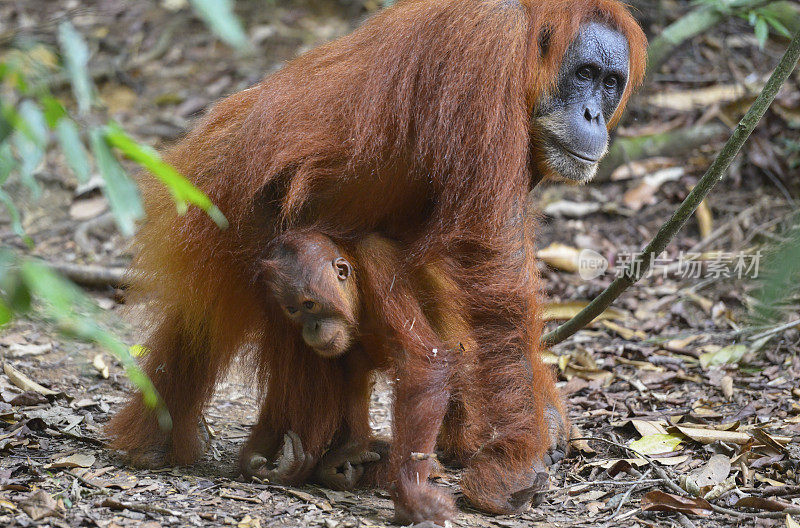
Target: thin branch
[91,276]
[713,175]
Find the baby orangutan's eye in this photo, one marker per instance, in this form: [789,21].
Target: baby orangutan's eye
[308,305]
[291,309]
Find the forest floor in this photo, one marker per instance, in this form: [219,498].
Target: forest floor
[669,365]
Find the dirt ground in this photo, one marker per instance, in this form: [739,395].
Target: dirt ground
[662,365]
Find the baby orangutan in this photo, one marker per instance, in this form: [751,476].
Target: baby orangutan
[313,284]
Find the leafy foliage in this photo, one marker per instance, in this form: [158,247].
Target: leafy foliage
[30,119]
[779,282]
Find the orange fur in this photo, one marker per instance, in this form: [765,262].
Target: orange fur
[417,127]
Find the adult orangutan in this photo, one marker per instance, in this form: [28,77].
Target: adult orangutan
[428,125]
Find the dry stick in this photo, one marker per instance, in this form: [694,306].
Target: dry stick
[713,175]
[628,493]
[91,275]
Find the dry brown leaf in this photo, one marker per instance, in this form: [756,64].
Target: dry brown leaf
[560,257]
[100,366]
[556,311]
[726,385]
[681,344]
[88,208]
[684,100]
[705,220]
[709,436]
[646,427]
[644,193]
[24,382]
[641,365]
[77,460]
[762,503]
[640,168]
[660,501]
[700,481]
[571,209]
[624,333]
[39,505]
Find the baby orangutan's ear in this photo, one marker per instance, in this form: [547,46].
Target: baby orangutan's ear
[343,268]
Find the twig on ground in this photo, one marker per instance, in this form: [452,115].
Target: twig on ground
[684,521]
[233,496]
[603,483]
[628,492]
[90,275]
[100,489]
[776,330]
[143,507]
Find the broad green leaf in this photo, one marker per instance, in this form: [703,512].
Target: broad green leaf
[656,444]
[5,314]
[762,32]
[76,58]
[182,189]
[33,118]
[120,190]
[30,146]
[729,355]
[220,18]
[74,151]
[778,26]
[75,313]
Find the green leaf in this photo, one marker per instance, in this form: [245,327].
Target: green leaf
[36,124]
[5,314]
[120,190]
[729,355]
[777,26]
[5,127]
[762,32]
[53,110]
[76,58]
[182,189]
[75,314]
[220,18]
[16,220]
[30,146]
[7,162]
[13,290]
[74,151]
[656,444]
[779,281]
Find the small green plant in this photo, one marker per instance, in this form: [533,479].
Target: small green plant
[32,121]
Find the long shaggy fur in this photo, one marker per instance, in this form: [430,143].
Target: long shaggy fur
[416,126]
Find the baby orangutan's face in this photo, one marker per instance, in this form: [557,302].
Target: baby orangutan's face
[314,286]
